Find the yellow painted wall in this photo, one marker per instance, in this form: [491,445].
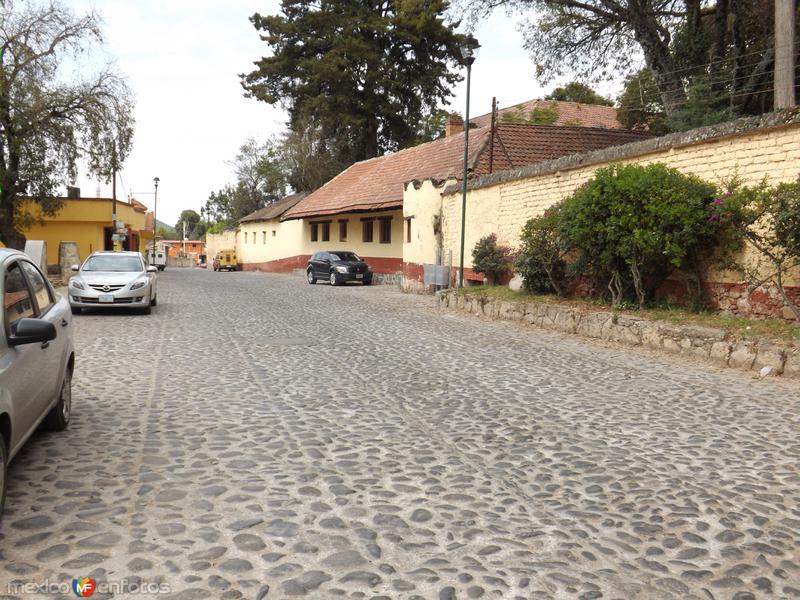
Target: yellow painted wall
[82,221]
[220,241]
[505,207]
[422,205]
[283,240]
[354,238]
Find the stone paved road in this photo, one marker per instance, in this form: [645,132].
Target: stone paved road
[257,437]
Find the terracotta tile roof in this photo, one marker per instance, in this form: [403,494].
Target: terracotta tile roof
[378,183]
[569,113]
[517,145]
[137,206]
[274,210]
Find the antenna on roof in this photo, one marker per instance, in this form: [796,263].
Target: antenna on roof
[493,129]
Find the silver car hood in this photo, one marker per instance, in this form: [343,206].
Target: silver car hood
[110,277]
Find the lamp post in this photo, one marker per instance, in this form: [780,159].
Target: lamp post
[468,48]
[155,214]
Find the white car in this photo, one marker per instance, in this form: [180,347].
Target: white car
[113,280]
[36,357]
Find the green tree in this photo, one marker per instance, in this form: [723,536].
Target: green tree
[681,41]
[771,225]
[540,259]
[260,177]
[48,123]
[190,219]
[639,104]
[634,225]
[366,72]
[492,259]
[578,92]
[309,157]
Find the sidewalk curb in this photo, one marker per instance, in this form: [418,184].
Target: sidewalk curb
[704,344]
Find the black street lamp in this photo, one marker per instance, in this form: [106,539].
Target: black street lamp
[155,214]
[468,49]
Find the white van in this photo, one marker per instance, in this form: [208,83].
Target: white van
[158,259]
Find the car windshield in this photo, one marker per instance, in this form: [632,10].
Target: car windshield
[112,263]
[345,256]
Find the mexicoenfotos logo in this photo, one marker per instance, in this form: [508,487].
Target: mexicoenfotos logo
[84,587]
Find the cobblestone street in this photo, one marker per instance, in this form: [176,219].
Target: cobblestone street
[257,437]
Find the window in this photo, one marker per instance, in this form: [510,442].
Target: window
[40,289]
[342,231]
[17,300]
[386,230]
[274,233]
[263,237]
[366,233]
[245,237]
[408,230]
[314,232]
[326,232]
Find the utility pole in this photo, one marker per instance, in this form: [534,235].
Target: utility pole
[184,237]
[784,54]
[114,228]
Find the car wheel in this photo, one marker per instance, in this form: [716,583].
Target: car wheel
[76,310]
[3,471]
[333,278]
[368,281]
[149,308]
[58,417]
[154,301]
[310,276]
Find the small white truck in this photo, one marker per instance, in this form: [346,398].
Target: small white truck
[158,259]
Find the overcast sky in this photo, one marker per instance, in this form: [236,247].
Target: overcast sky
[182,59]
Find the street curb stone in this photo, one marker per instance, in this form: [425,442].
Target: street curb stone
[704,344]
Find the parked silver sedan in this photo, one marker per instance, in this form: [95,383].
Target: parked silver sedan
[36,357]
[113,279]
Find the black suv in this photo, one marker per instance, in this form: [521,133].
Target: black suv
[338,267]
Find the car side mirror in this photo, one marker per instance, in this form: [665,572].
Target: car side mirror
[152,269]
[75,268]
[30,331]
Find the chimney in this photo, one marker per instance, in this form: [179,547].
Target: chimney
[73,192]
[454,125]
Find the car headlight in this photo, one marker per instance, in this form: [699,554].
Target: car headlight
[139,284]
[341,269]
[76,284]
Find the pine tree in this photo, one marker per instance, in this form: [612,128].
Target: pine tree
[365,72]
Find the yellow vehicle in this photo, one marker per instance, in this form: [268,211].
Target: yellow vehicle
[226,259]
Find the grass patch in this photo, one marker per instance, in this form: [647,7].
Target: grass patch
[775,329]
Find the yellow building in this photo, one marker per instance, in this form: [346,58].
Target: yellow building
[87,221]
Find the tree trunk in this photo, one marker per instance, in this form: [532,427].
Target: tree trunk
[654,41]
[8,233]
[371,137]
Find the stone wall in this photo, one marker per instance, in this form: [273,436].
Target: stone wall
[752,148]
[705,344]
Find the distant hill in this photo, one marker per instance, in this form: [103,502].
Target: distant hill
[169,230]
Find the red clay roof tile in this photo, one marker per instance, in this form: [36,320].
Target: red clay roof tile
[569,113]
[378,183]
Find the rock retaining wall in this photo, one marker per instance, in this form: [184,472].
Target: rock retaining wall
[713,346]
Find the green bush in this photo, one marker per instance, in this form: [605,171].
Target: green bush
[769,219]
[491,259]
[540,260]
[634,225]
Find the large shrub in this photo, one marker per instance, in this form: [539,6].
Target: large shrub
[633,225]
[769,220]
[492,259]
[540,260]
